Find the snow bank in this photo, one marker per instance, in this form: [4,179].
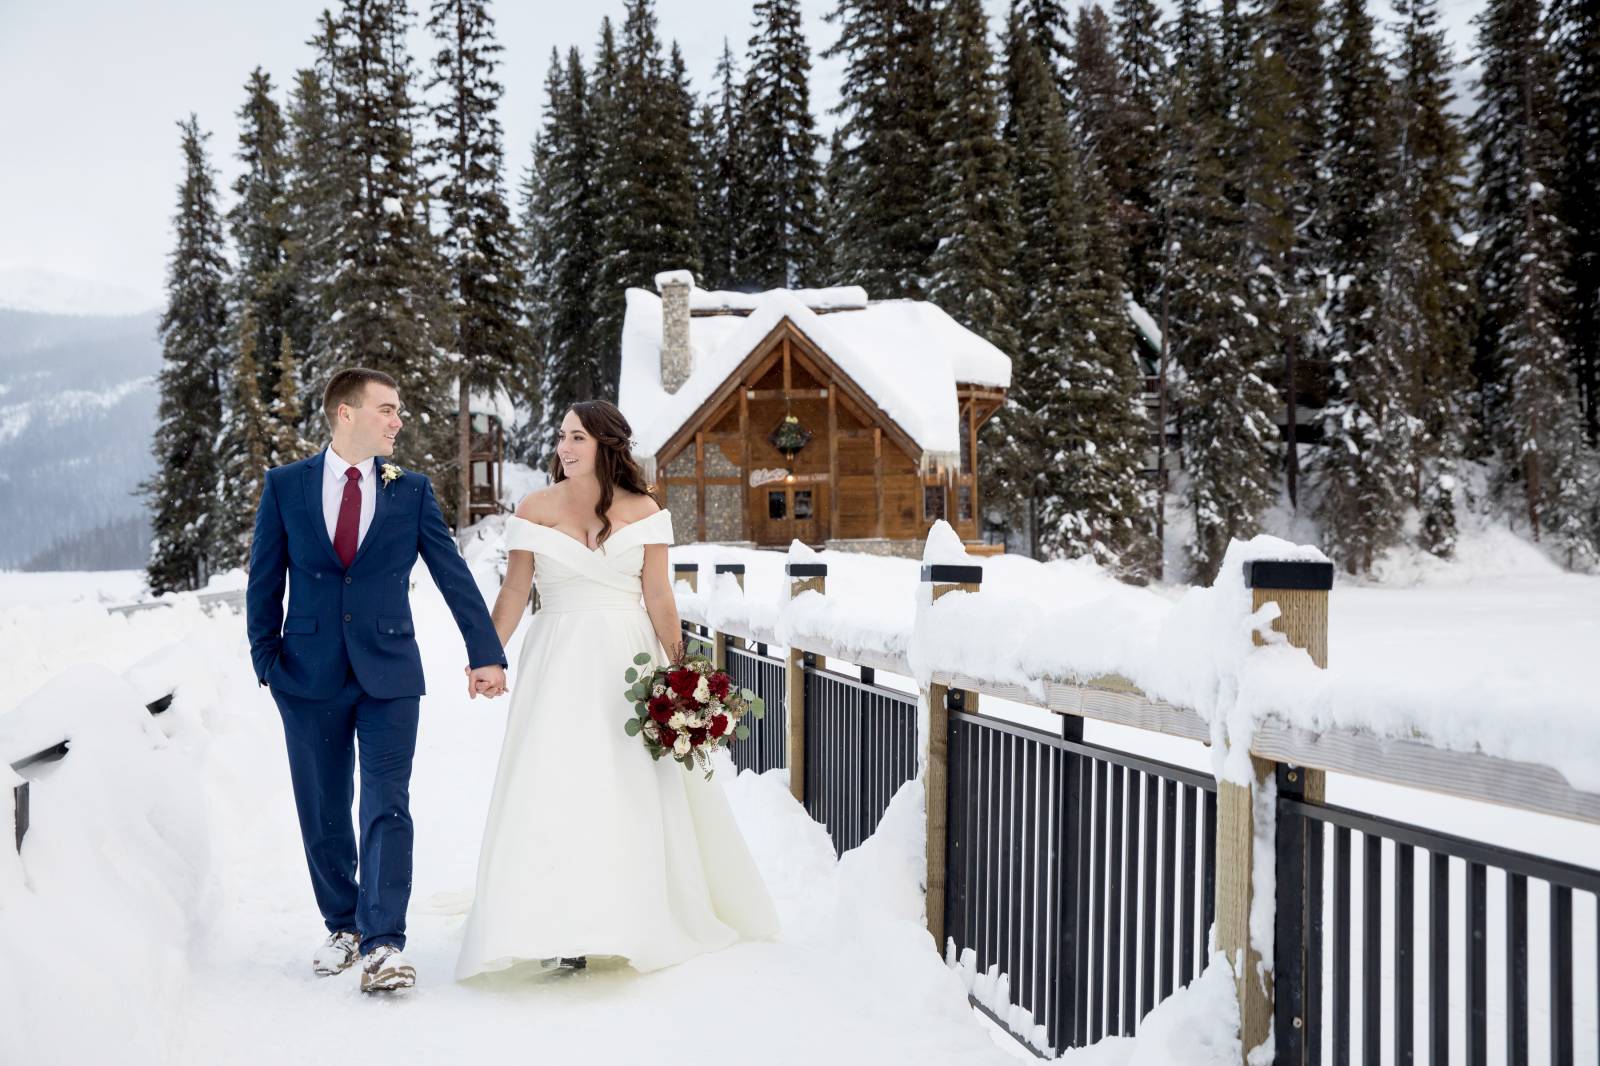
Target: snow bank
[1197,1026]
[114,870]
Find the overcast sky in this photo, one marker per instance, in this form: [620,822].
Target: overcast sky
[90,91]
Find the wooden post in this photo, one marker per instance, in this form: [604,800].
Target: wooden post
[1301,591]
[689,572]
[802,576]
[944,578]
[719,639]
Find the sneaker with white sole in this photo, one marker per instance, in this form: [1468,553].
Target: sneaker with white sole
[384,969]
[336,954]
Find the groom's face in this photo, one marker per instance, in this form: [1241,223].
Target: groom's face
[373,426]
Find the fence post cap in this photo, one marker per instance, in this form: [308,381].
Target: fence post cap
[730,568]
[952,573]
[806,569]
[679,568]
[1283,574]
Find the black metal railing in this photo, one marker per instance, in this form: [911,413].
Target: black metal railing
[861,746]
[21,794]
[1350,888]
[767,746]
[696,639]
[1085,875]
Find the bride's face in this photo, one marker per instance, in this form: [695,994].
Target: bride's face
[574,447]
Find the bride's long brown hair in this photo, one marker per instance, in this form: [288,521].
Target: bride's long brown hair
[614,465]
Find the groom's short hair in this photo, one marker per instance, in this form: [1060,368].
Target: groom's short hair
[348,386]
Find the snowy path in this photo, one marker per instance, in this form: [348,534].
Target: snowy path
[824,991]
[170,856]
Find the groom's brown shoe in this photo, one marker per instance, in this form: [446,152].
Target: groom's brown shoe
[336,954]
[384,969]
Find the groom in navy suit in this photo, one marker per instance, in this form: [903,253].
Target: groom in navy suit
[345,529]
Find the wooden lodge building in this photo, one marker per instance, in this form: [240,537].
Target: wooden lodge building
[811,415]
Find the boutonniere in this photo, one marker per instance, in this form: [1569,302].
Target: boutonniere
[391,472]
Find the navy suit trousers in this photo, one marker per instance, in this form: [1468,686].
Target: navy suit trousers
[323,737]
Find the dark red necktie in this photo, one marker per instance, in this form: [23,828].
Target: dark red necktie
[348,528]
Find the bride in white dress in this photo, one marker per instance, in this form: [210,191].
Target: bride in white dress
[592,848]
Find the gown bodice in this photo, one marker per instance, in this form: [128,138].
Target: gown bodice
[571,576]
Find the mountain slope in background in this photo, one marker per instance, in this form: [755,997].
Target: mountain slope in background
[77,408]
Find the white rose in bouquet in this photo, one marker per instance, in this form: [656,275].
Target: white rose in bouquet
[681,745]
[702,691]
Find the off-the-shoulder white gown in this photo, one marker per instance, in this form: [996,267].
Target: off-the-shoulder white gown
[591,847]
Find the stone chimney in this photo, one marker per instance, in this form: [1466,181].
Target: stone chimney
[676,362]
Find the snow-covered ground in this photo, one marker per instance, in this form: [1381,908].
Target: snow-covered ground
[160,911]
[162,892]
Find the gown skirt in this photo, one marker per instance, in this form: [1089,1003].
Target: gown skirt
[591,847]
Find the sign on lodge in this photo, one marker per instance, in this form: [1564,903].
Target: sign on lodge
[812,414]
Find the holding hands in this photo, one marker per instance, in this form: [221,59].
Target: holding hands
[487,681]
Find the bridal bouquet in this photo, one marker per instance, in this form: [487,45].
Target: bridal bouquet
[687,711]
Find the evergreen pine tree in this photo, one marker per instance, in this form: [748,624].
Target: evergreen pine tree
[684,148]
[1223,396]
[259,225]
[1022,440]
[720,205]
[564,254]
[969,272]
[1068,444]
[385,299]
[781,234]
[1532,402]
[646,192]
[247,439]
[1272,63]
[523,437]
[831,214]
[1575,39]
[888,102]
[183,491]
[1431,267]
[318,193]
[284,413]
[1108,510]
[1365,469]
[1130,163]
[1048,23]
[490,345]
[1094,91]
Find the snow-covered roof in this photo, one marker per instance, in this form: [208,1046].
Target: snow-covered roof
[1144,324]
[837,298]
[906,355]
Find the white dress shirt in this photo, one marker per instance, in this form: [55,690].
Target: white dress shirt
[333,482]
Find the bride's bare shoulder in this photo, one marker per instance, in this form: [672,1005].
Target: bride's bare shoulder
[634,505]
[540,505]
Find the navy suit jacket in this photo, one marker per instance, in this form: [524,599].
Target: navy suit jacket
[358,617]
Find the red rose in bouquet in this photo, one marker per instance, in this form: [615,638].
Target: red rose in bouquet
[687,711]
[683,682]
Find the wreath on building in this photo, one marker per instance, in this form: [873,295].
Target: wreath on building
[789,437]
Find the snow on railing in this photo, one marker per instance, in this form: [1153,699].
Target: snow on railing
[232,598]
[35,737]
